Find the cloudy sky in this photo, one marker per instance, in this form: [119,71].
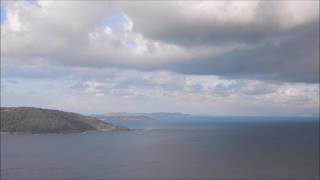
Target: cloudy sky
[217,58]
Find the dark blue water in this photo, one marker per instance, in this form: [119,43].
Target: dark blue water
[168,149]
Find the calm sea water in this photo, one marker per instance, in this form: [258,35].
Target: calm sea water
[185,148]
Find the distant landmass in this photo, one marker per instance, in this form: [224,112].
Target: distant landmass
[124,116]
[143,116]
[37,120]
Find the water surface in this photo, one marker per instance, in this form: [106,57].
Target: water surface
[169,149]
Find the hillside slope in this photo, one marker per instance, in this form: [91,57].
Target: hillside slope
[36,120]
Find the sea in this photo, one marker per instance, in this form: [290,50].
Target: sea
[171,147]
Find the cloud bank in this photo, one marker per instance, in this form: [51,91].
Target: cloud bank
[264,51]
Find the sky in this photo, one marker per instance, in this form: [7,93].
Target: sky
[252,58]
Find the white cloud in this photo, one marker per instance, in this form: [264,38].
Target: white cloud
[163,84]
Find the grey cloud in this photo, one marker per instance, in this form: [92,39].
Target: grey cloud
[280,47]
[188,29]
[295,59]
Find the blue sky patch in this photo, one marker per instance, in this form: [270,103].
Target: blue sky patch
[3,15]
[114,21]
[131,44]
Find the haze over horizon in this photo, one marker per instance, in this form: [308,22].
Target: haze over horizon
[249,58]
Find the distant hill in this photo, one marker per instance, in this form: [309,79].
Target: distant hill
[36,120]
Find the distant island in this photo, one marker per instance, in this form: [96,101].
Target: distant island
[37,120]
